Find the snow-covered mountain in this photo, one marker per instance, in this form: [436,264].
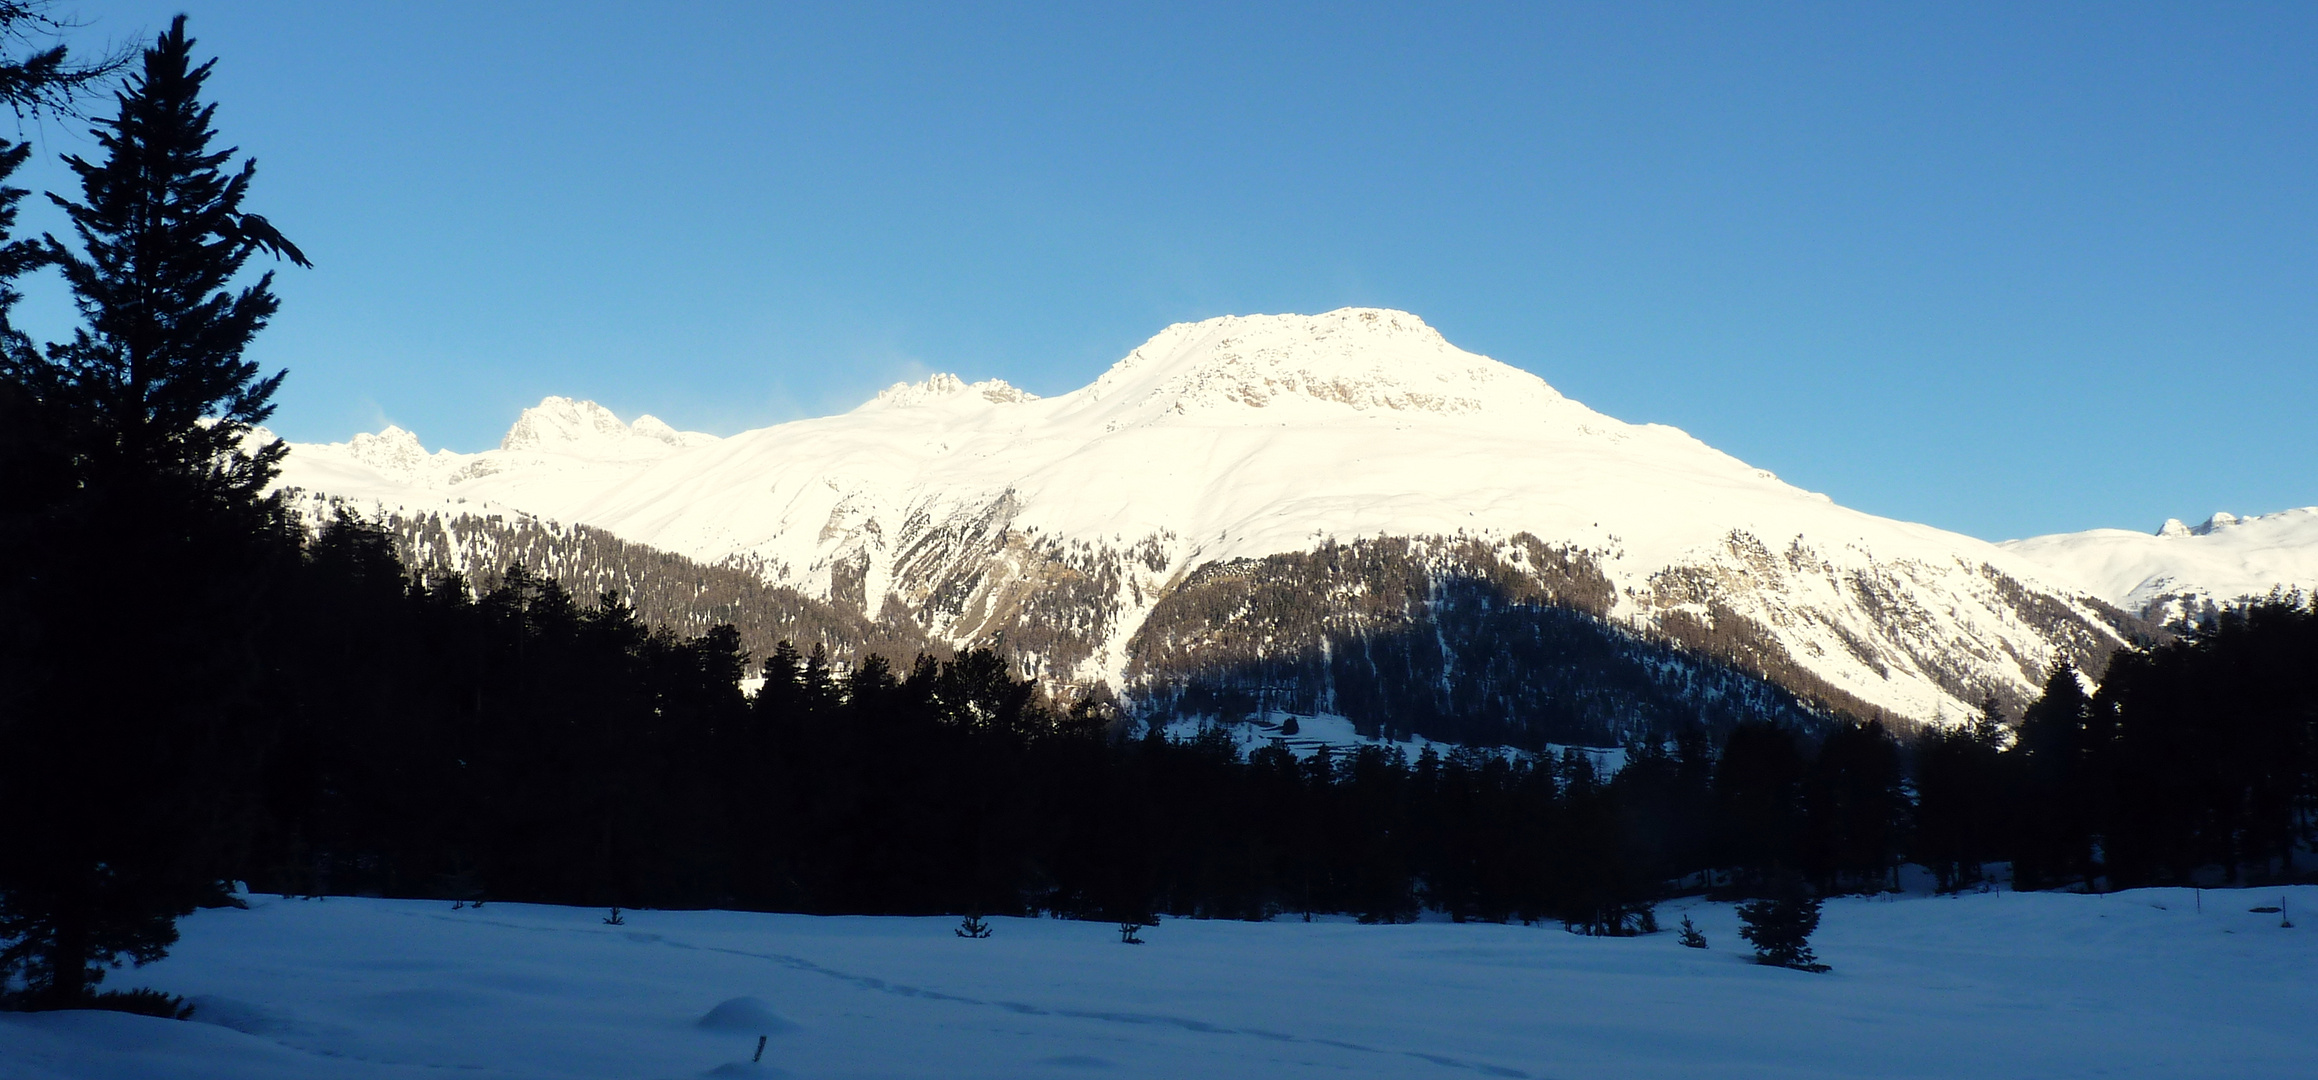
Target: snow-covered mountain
[2183,569]
[1135,530]
[559,453]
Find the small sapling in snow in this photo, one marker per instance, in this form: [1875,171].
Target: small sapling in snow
[614,919]
[973,926]
[1691,938]
[1781,930]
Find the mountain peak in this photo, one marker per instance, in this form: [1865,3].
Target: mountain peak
[943,387]
[2222,519]
[566,426]
[392,450]
[1365,359]
[560,421]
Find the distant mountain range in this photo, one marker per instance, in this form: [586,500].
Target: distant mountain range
[1335,513]
[2183,570]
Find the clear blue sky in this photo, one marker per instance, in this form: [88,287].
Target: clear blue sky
[2002,268]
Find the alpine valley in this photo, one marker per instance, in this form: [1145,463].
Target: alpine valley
[1340,513]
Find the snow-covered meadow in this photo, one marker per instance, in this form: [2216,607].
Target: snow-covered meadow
[2150,983]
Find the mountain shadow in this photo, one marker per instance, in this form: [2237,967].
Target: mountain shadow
[1456,641]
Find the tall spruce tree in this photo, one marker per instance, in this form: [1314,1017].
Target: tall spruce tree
[2055,755]
[1962,798]
[141,559]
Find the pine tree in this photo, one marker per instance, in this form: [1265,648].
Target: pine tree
[1780,928]
[1758,789]
[2053,759]
[46,79]
[1856,807]
[1962,798]
[142,556]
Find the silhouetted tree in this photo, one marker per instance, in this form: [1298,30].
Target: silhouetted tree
[1780,925]
[1758,788]
[124,774]
[1856,807]
[37,71]
[1963,799]
[2057,782]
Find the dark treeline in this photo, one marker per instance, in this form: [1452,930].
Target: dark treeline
[519,745]
[2197,754]
[522,746]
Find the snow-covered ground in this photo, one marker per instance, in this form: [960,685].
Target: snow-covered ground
[2150,983]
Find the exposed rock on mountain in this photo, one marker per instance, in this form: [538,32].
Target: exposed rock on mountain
[666,589]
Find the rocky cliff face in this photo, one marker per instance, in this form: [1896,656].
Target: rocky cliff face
[1342,509]
[666,589]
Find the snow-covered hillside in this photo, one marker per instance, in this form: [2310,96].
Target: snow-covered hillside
[2181,568]
[971,508]
[2154,983]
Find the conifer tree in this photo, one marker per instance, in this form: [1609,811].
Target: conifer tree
[140,563]
[1960,799]
[1856,807]
[2053,756]
[1758,783]
[1780,926]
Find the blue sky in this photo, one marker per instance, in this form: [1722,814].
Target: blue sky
[2006,269]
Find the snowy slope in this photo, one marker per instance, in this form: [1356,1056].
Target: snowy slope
[1240,437]
[2153,983]
[2180,568]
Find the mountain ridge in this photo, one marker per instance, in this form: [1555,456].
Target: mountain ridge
[962,507]
[2182,570]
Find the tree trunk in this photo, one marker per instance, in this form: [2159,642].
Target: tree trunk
[68,959]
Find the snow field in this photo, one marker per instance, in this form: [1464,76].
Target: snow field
[2136,984]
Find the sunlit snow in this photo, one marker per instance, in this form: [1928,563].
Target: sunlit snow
[2225,558]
